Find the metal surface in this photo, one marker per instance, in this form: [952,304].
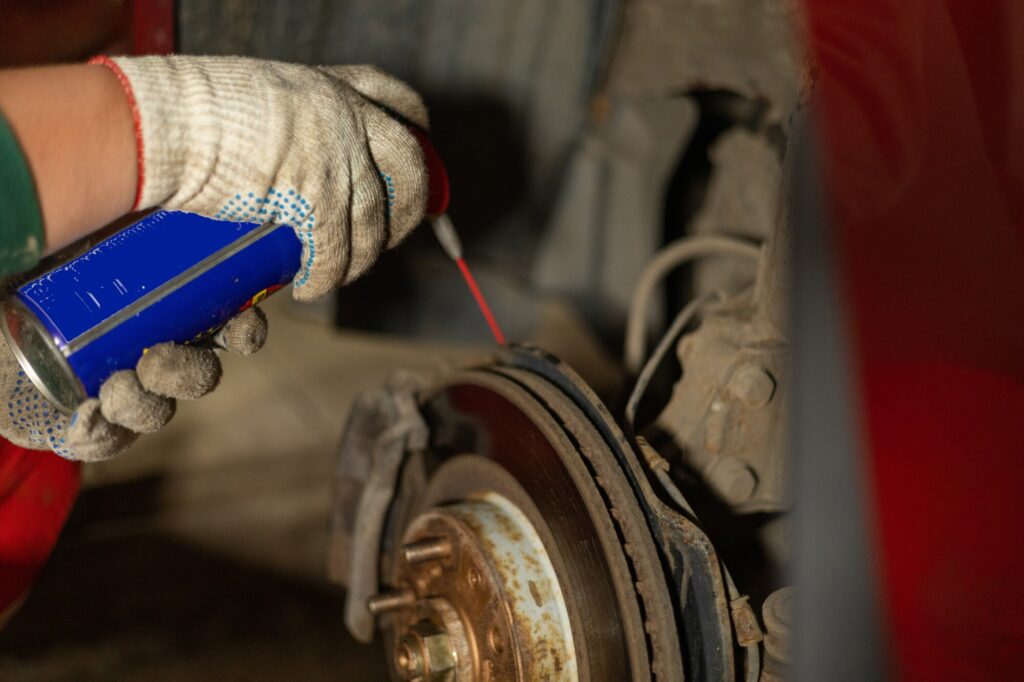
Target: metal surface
[521,453]
[40,358]
[427,549]
[728,413]
[697,582]
[516,625]
[383,425]
[645,594]
[390,601]
[425,652]
[643,571]
[508,432]
[777,614]
[104,308]
[170,286]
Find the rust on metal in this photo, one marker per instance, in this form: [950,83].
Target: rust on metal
[514,621]
[425,653]
[390,601]
[576,494]
[748,632]
[428,549]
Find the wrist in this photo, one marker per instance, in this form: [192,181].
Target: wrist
[126,98]
[165,97]
[74,130]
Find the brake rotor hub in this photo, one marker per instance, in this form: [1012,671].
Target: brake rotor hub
[479,598]
[514,536]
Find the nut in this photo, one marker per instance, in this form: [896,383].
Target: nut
[425,653]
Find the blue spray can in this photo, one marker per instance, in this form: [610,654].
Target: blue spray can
[172,276]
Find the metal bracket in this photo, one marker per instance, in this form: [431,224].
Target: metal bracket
[384,425]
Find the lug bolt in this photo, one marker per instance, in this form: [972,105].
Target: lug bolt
[408,659]
[430,549]
[424,652]
[390,601]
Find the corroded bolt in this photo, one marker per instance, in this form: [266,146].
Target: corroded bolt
[752,385]
[425,652]
[429,549]
[408,659]
[390,601]
[732,478]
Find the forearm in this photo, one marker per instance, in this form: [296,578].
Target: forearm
[75,128]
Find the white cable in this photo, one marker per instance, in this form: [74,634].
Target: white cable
[675,330]
[666,260]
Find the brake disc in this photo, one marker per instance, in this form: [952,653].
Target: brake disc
[500,526]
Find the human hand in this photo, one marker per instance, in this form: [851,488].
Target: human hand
[252,140]
[130,402]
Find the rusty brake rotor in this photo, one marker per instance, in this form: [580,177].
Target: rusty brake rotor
[516,541]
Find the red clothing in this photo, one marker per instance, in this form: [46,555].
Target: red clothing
[37,490]
[922,106]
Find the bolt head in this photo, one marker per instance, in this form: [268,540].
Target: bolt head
[753,386]
[425,652]
[407,658]
[732,478]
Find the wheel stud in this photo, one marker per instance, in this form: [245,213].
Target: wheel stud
[430,549]
[390,601]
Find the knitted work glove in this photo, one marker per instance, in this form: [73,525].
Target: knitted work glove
[312,147]
[129,403]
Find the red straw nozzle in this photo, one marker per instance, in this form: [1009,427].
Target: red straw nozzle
[438,194]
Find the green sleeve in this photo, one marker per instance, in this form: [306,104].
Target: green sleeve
[21,223]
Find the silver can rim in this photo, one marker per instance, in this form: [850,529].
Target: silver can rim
[40,356]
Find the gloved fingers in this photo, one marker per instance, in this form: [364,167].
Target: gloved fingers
[325,255]
[124,402]
[383,89]
[336,252]
[244,333]
[399,158]
[179,371]
[368,231]
[91,438]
